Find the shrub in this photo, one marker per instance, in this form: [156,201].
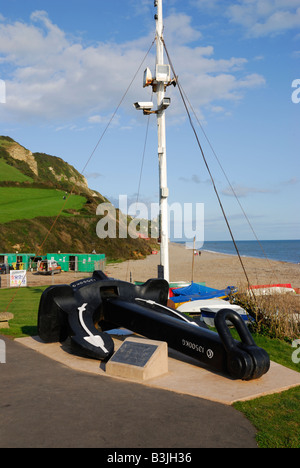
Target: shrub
[276,315]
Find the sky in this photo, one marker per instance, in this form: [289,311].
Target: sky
[67,89]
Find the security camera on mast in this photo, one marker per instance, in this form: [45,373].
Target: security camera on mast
[159,83]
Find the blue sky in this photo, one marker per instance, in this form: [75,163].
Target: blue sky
[66,65]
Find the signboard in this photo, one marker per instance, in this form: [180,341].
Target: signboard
[18,278]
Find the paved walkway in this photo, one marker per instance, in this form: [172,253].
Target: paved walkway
[44,403]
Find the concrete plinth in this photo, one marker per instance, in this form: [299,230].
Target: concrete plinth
[139,359]
[184,375]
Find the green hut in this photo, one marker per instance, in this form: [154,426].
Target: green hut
[19,261]
[85,263]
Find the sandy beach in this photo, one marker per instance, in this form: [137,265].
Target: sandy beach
[216,270]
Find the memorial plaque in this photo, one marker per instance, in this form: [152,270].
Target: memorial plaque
[139,359]
[134,354]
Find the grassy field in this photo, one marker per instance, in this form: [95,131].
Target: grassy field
[28,203]
[9,173]
[276,417]
[24,304]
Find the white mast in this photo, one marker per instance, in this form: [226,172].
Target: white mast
[162,155]
[159,83]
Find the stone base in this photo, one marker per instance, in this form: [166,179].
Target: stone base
[139,359]
[4,318]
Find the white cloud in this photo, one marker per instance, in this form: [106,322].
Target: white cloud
[92,175]
[243,191]
[53,77]
[141,7]
[291,182]
[206,4]
[265,17]
[259,17]
[179,29]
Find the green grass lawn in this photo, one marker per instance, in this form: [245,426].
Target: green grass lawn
[24,304]
[28,203]
[278,350]
[9,173]
[276,417]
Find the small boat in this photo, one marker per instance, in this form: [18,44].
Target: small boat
[196,292]
[207,309]
[266,289]
[176,284]
[182,284]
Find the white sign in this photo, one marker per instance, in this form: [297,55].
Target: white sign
[18,278]
[2,352]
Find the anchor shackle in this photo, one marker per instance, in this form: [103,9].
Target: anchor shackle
[245,360]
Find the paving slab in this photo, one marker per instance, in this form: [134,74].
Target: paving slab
[185,376]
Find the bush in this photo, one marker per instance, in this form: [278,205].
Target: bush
[276,315]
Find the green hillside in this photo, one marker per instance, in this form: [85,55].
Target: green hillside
[28,203]
[10,173]
[34,189]
[38,169]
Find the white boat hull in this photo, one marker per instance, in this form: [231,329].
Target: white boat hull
[208,308]
[268,289]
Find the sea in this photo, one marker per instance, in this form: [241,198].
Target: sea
[282,250]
